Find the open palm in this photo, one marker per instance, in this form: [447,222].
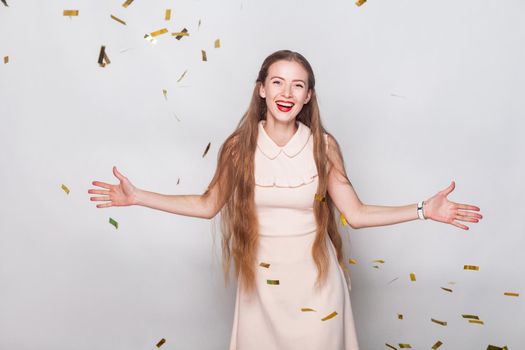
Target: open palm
[122,194]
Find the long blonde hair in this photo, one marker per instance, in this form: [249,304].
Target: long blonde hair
[235,178]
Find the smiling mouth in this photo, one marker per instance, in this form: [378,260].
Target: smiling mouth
[284,106]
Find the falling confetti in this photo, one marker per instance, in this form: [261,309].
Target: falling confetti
[204,58]
[307,309]
[390,346]
[360,2]
[167,15]
[206,150]
[113,222]
[395,279]
[217,43]
[405,346]
[6,59]
[161,342]
[471,267]
[103,59]
[199,25]
[446,289]
[493,347]
[474,317]
[5,3]
[182,76]
[165,93]
[375,267]
[511,294]
[273,282]
[319,197]
[476,322]
[178,180]
[343,220]
[127,3]
[70,12]
[182,33]
[64,187]
[332,315]
[352,261]
[159,32]
[399,316]
[379,261]
[437,345]
[118,19]
[263,264]
[412,277]
[443,323]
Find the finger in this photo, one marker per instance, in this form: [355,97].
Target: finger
[106,192]
[466,218]
[105,205]
[101,184]
[117,174]
[457,224]
[450,188]
[470,214]
[100,198]
[468,207]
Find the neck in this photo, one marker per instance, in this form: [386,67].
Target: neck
[280,132]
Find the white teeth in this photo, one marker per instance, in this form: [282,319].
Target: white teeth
[287,105]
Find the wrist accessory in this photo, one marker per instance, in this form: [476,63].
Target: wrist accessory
[420,212]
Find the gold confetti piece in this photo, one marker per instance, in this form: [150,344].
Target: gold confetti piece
[380,261]
[352,261]
[476,321]
[179,35]
[437,345]
[159,32]
[332,315]
[360,2]
[443,323]
[127,3]
[5,3]
[165,93]
[113,222]
[204,58]
[64,187]
[471,267]
[493,347]
[375,267]
[182,76]
[412,277]
[70,12]
[178,180]
[161,342]
[399,316]
[273,282]
[263,264]
[405,346]
[390,346]
[474,317]
[320,197]
[217,43]
[307,309]
[167,15]
[511,294]
[207,149]
[103,59]
[118,19]
[343,219]
[446,289]
[6,59]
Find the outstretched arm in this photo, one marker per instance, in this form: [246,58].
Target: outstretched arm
[360,215]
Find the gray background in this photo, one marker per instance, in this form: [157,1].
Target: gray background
[417,93]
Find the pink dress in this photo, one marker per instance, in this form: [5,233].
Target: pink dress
[286,312]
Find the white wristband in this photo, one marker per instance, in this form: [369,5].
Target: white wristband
[420,212]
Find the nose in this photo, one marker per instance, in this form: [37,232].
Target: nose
[288,90]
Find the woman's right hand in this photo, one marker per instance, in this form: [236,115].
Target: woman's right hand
[119,195]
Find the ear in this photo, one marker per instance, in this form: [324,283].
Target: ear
[262,92]
[308,96]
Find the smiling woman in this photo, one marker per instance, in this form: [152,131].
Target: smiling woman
[280,176]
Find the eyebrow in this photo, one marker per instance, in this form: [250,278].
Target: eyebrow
[302,81]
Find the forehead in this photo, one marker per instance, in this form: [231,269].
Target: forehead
[288,70]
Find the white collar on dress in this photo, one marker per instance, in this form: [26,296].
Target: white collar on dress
[295,145]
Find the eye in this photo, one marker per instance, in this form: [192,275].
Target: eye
[299,85]
[276,82]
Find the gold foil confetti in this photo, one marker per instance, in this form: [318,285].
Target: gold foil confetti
[307,309]
[118,19]
[471,267]
[343,220]
[263,264]
[405,346]
[447,289]
[352,261]
[5,3]
[399,316]
[6,59]
[165,93]
[332,315]
[217,43]
[103,59]
[70,12]
[474,317]
[437,345]
[127,3]
[158,32]
[379,261]
[182,76]
[64,187]
[493,347]
[167,15]
[360,2]
[375,267]
[511,294]
[412,277]
[443,323]
[113,222]
[273,282]
[320,198]
[204,58]
[476,321]
[179,35]
[161,342]
[390,346]
[178,180]
[206,150]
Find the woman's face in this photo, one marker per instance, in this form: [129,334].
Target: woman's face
[285,90]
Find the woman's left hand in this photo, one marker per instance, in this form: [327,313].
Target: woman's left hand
[439,208]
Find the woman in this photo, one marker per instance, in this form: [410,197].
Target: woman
[279,177]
